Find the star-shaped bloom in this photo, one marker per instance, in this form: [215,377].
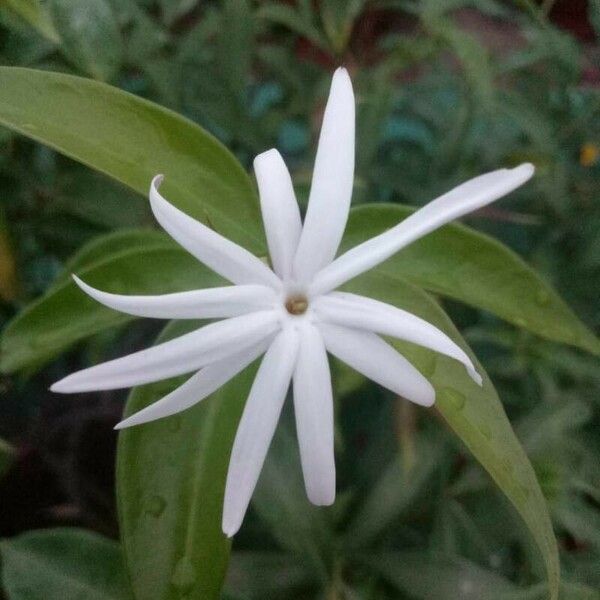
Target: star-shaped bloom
[290,313]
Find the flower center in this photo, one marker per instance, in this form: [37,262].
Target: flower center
[296,305]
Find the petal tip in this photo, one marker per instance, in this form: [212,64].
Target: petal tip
[156,181]
[266,155]
[59,387]
[229,530]
[527,170]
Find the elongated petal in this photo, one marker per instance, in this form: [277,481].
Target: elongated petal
[331,190]
[223,256]
[460,201]
[313,405]
[175,357]
[210,303]
[280,212]
[365,313]
[257,426]
[368,354]
[197,387]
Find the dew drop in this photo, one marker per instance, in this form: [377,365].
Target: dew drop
[155,505]
[453,397]
[486,432]
[428,364]
[184,575]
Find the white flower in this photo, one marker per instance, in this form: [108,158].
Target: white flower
[291,313]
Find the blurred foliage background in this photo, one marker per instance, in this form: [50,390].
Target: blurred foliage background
[446,89]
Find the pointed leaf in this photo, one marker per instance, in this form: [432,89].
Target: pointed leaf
[131,140]
[170,483]
[147,264]
[460,263]
[474,413]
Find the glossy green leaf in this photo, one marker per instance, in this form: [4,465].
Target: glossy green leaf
[171,480]
[89,34]
[143,263]
[475,414]
[35,14]
[7,456]
[460,263]
[132,140]
[61,564]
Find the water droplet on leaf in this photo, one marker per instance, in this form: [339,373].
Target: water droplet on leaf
[485,431]
[453,397]
[184,575]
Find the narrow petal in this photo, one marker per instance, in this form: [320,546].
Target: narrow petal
[313,405]
[460,201]
[210,303]
[280,212]
[368,354]
[175,357]
[365,313]
[223,256]
[257,426]
[197,387]
[333,176]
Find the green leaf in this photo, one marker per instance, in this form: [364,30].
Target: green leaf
[259,575]
[429,577]
[394,492]
[35,14]
[62,564]
[170,481]
[7,456]
[90,36]
[65,314]
[295,21]
[474,413]
[132,140]
[465,265]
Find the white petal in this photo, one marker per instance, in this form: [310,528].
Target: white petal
[368,354]
[257,426]
[365,313]
[175,357]
[197,387]
[331,190]
[223,256]
[313,405]
[463,199]
[280,212]
[210,303]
